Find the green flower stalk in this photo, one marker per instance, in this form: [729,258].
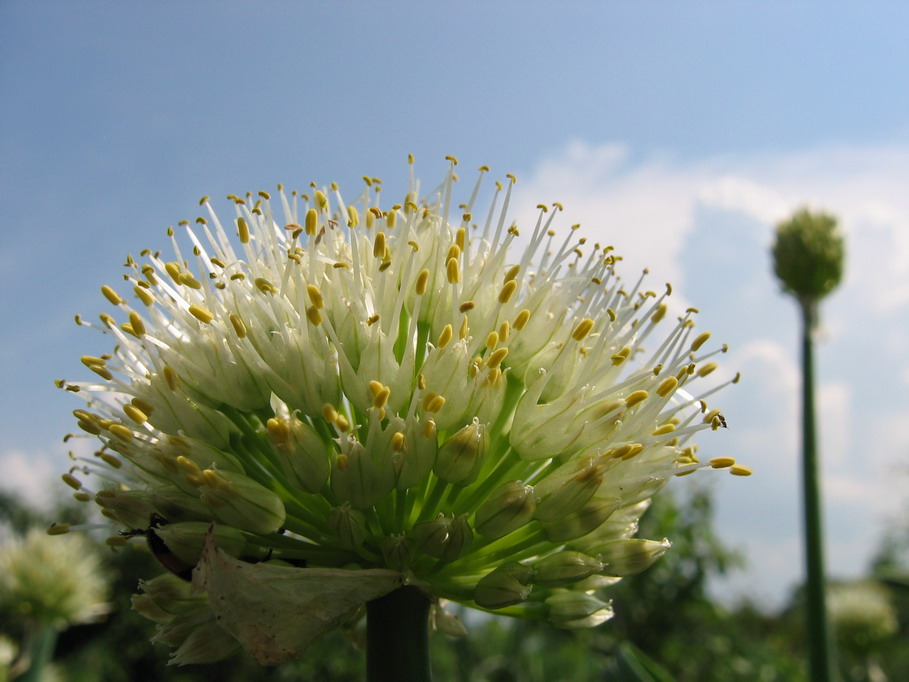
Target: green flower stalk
[364,401]
[808,258]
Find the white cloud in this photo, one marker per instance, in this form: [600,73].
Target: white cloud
[31,476]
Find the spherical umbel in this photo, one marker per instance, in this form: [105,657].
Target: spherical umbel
[808,255]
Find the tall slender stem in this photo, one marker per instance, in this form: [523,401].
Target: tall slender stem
[820,661]
[397,637]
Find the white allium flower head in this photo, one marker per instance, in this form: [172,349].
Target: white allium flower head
[352,386]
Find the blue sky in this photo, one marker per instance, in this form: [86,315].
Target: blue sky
[678,133]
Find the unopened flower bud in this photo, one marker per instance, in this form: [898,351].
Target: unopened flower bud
[238,501]
[571,609]
[510,507]
[358,477]
[305,455]
[808,255]
[564,568]
[504,586]
[559,501]
[348,525]
[397,550]
[186,538]
[461,457]
[628,557]
[581,522]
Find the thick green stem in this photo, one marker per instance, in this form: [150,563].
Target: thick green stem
[397,637]
[39,642]
[818,629]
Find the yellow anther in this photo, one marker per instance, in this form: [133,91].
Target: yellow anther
[521,319]
[453,271]
[137,324]
[700,340]
[740,470]
[170,376]
[237,276]
[511,178]
[666,388]
[372,319]
[710,416]
[278,431]
[353,216]
[243,230]
[737,377]
[187,464]
[111,295]
[633,449]
[108,320]
[436,404]
[213,479]
[311,223]
[722,462]
[453,160]
[429,429]
[707,369]
[342,462]
[504,331]
[635,397]
[465,329]
[315,296]
[142,405]
[201,314]
[321,200]
[110,460]
[660,313]
[511,274]
[101,371]
[467,306]
[381,398]
[583,328]
[314,316]
[496,357]
[445,337]
[143,295]
[82,497]
[422,282]
[342,423]
[173,269]
[135,414]
[265,286]
[454,251]
[492,340]
[122,432]
[58,529]
[375,387]
[237,324]
[391,218]
[461,234]
[72,481]
[398,442]
[378,246]
[621,356]
[507,291]
[543,207]
[89,360]
[664,429]
[329,413]
[421,382]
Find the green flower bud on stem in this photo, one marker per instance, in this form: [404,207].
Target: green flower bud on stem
[504,586]
[510,507]
[570,609]
[808,256]
[564,568]
[628,557]
[461,457]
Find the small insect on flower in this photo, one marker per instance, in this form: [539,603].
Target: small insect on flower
[408,390]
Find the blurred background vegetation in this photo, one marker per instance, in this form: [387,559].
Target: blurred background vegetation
[667,625]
